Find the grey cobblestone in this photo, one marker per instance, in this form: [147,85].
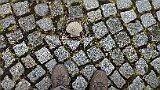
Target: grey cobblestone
[7,83]
[107,43]
[121,4]
[120,37]
[41,9]
[61,53]
[94,15]
[109,9]
[148,20]
[107,66]
[36,73]
[5,9]
[126,70]
[152,79]
[156,64]
[27,23]
[117,79]
[20,49]
[80,83]
[95,54]
[23,84]
[80,58]
[117,56]
[44,84]
[43,55]
[28,61]
[141,66]
[14,36]
[90,4]
[17,70]
[137,84]
[114,25]
[88,71]
[99,29]
[21,8]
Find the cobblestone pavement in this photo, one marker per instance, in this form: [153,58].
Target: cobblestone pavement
[121,37]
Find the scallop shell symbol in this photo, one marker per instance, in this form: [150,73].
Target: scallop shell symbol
[74,28]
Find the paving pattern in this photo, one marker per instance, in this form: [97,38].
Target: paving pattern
[121,37]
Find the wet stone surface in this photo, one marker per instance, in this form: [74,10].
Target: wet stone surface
[120,37]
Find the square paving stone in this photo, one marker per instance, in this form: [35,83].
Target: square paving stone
[99,29]
[49,65]
[1,71]
[35,38]
[156,4]
[137,84]
[114,25]
[73,44]
[134,28]
[158,15]
[90,4]
[121,4]
[80,58]
[87,41]
[117,56]
[148,20]
[117,79]
[141,66]
[17,70]
[7,83]
[36,73]
[152,79]
[20,49]
[7,57]
[53,41]
[94,15]
[149,53]
[140,39]
[14,36]
[80,83]
[95,54]
[126,70]
[44,84]
[75,12]
[130,53]
[21,8]
[128,16]
[143,5]
[5,9]
[122,39]
[107,66]
[43,55]
[45,23]
[6,22]
[88,71]
[109,9]
[107,43]
[41,9]
[23,85]
[61,53]
[27,23]
[156,64]
[3,1]
[28,61]
[71,67]
[155,32]
[56,8]
[3,42]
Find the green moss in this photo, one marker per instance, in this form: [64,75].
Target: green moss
[1,29]
[14,27]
